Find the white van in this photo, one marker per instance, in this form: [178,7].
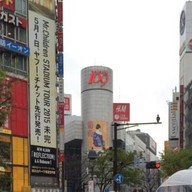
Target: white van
[181,181]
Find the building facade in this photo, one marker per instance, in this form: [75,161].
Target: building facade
[185,75]
[31,53]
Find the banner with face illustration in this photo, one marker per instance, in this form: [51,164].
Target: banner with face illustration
[98,137]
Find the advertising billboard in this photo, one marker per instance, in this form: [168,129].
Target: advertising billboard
[173,120]
[121,112]
[67,104]
[97,135]
[43,95]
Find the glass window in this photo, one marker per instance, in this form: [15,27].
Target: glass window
[22,35]
[7,59]
[9,30]
[1,28]
[20,6]
[20,64]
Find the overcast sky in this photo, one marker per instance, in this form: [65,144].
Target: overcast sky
[139,41]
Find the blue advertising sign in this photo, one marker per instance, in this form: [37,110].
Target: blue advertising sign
[118,178]
[15,47]
[60,64]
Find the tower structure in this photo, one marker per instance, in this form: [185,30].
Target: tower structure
[97,107]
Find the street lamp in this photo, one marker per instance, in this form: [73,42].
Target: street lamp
[130,125]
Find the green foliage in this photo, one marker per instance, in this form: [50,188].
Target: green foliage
[172,162]
[5,182]
[5,97]
[102,168]
[5,107]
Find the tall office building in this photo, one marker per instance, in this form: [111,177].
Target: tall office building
[31,52]
[186,76]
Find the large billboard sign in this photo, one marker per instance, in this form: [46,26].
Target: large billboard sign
[121,112]
[97,136]
[43,94]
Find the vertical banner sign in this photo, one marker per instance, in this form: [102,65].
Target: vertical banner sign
[60,25]
[67,104]
[60,11]
[60,72]
[61,114]
[173,120]
[42,95]
[121,112]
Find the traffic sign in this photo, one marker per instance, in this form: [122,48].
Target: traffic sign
[118,178]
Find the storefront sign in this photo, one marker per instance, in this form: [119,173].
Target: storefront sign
[98,77]
[12,19]
[121,112]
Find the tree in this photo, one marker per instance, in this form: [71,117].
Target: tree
[5,107]
[172,162]
[5,97]
[102,168]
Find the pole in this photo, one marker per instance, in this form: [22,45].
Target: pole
[115,157]
[115,185]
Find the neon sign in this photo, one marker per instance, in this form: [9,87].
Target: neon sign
[96,77]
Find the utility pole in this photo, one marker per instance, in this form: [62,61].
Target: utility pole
[116,128]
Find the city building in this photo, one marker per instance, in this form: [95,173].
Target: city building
[93,131]
[185,76]
[143,143]
[31,52]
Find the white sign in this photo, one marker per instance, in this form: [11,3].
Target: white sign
[43,89]
[91,186]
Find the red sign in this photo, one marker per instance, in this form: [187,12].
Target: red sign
[61,114]
[60,40]
[59,11]
[8,4]
[98,77]
[66,103]
[121,112]
[12,19]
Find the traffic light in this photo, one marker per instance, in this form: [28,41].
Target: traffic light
[153,165]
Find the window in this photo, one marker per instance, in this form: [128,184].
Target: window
[21,34]
[7,59]
[20,63]
[13,62]
[9,30]
[20,6]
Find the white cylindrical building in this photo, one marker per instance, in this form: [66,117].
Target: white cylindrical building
[97,107]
